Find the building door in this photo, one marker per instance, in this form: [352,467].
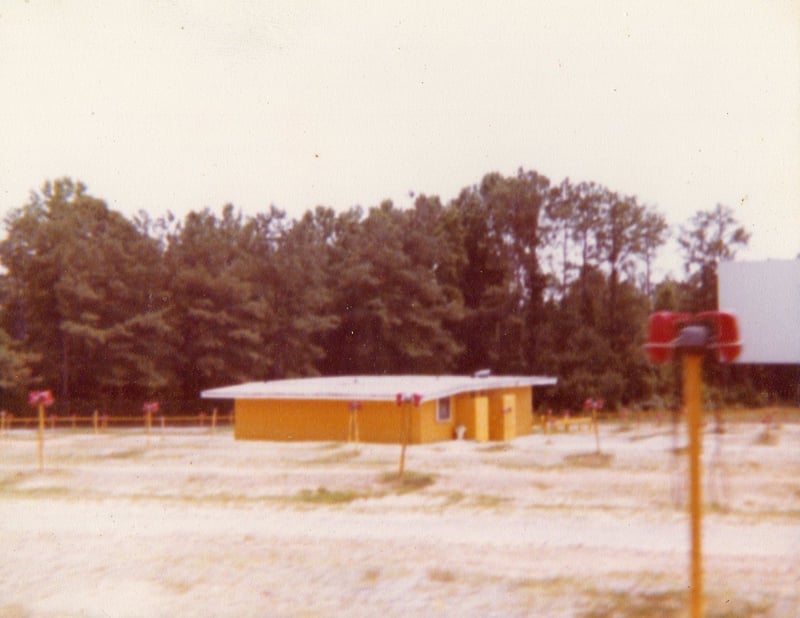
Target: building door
[481,419]
[509,417]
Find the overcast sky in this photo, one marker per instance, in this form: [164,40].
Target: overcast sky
[178,105]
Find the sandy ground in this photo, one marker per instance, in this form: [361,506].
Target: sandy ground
[186,523]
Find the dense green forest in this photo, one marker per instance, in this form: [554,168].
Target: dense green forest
[515,274]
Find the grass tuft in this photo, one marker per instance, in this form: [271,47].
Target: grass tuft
[733,608]
[330,446]
[441,576]
[497,447]
[336,457]
[590,460]
[488,501]
[325,496]
[669,604]
[411,481]
[767,437]
[13,611]
[371,575]
[130,453]
[453,497]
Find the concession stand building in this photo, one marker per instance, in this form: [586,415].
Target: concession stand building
[379,408]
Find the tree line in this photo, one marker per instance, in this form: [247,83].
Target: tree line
[515,274]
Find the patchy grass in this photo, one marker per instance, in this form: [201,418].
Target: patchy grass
[324,496]
[452,498]
[553,587]
[330,446]
[411,481]
[652,434]
[734,608]
[754,415]
[479,501]
[334,458]
[40,492]
[528,465]
[767,437]
[181,586]
[590,460]
[556,583]
[497,447]
[441,576]
[669,604]
[488,501]
[371,575]
[223,497]
[10,482]
[130,453]
[666,604]
[46,484]
[13,611]
[23,490]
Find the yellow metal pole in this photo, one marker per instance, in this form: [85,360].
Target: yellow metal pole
[148,416]
[692,386]
[352,430]
[405,409]
[40,441]
[350,426]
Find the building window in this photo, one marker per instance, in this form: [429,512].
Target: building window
[443,410]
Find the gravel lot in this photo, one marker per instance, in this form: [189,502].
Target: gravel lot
[188,523]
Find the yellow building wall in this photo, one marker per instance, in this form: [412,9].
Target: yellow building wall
[509,416]
[482,415]
[524,416]
[518,420]
[311,420]
[382,421]
[259,419]
[432,430]
[498,422]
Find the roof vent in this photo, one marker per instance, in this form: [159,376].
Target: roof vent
[483,373]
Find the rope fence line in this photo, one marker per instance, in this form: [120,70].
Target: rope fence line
[102,421]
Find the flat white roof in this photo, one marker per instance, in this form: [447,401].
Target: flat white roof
[372,388]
